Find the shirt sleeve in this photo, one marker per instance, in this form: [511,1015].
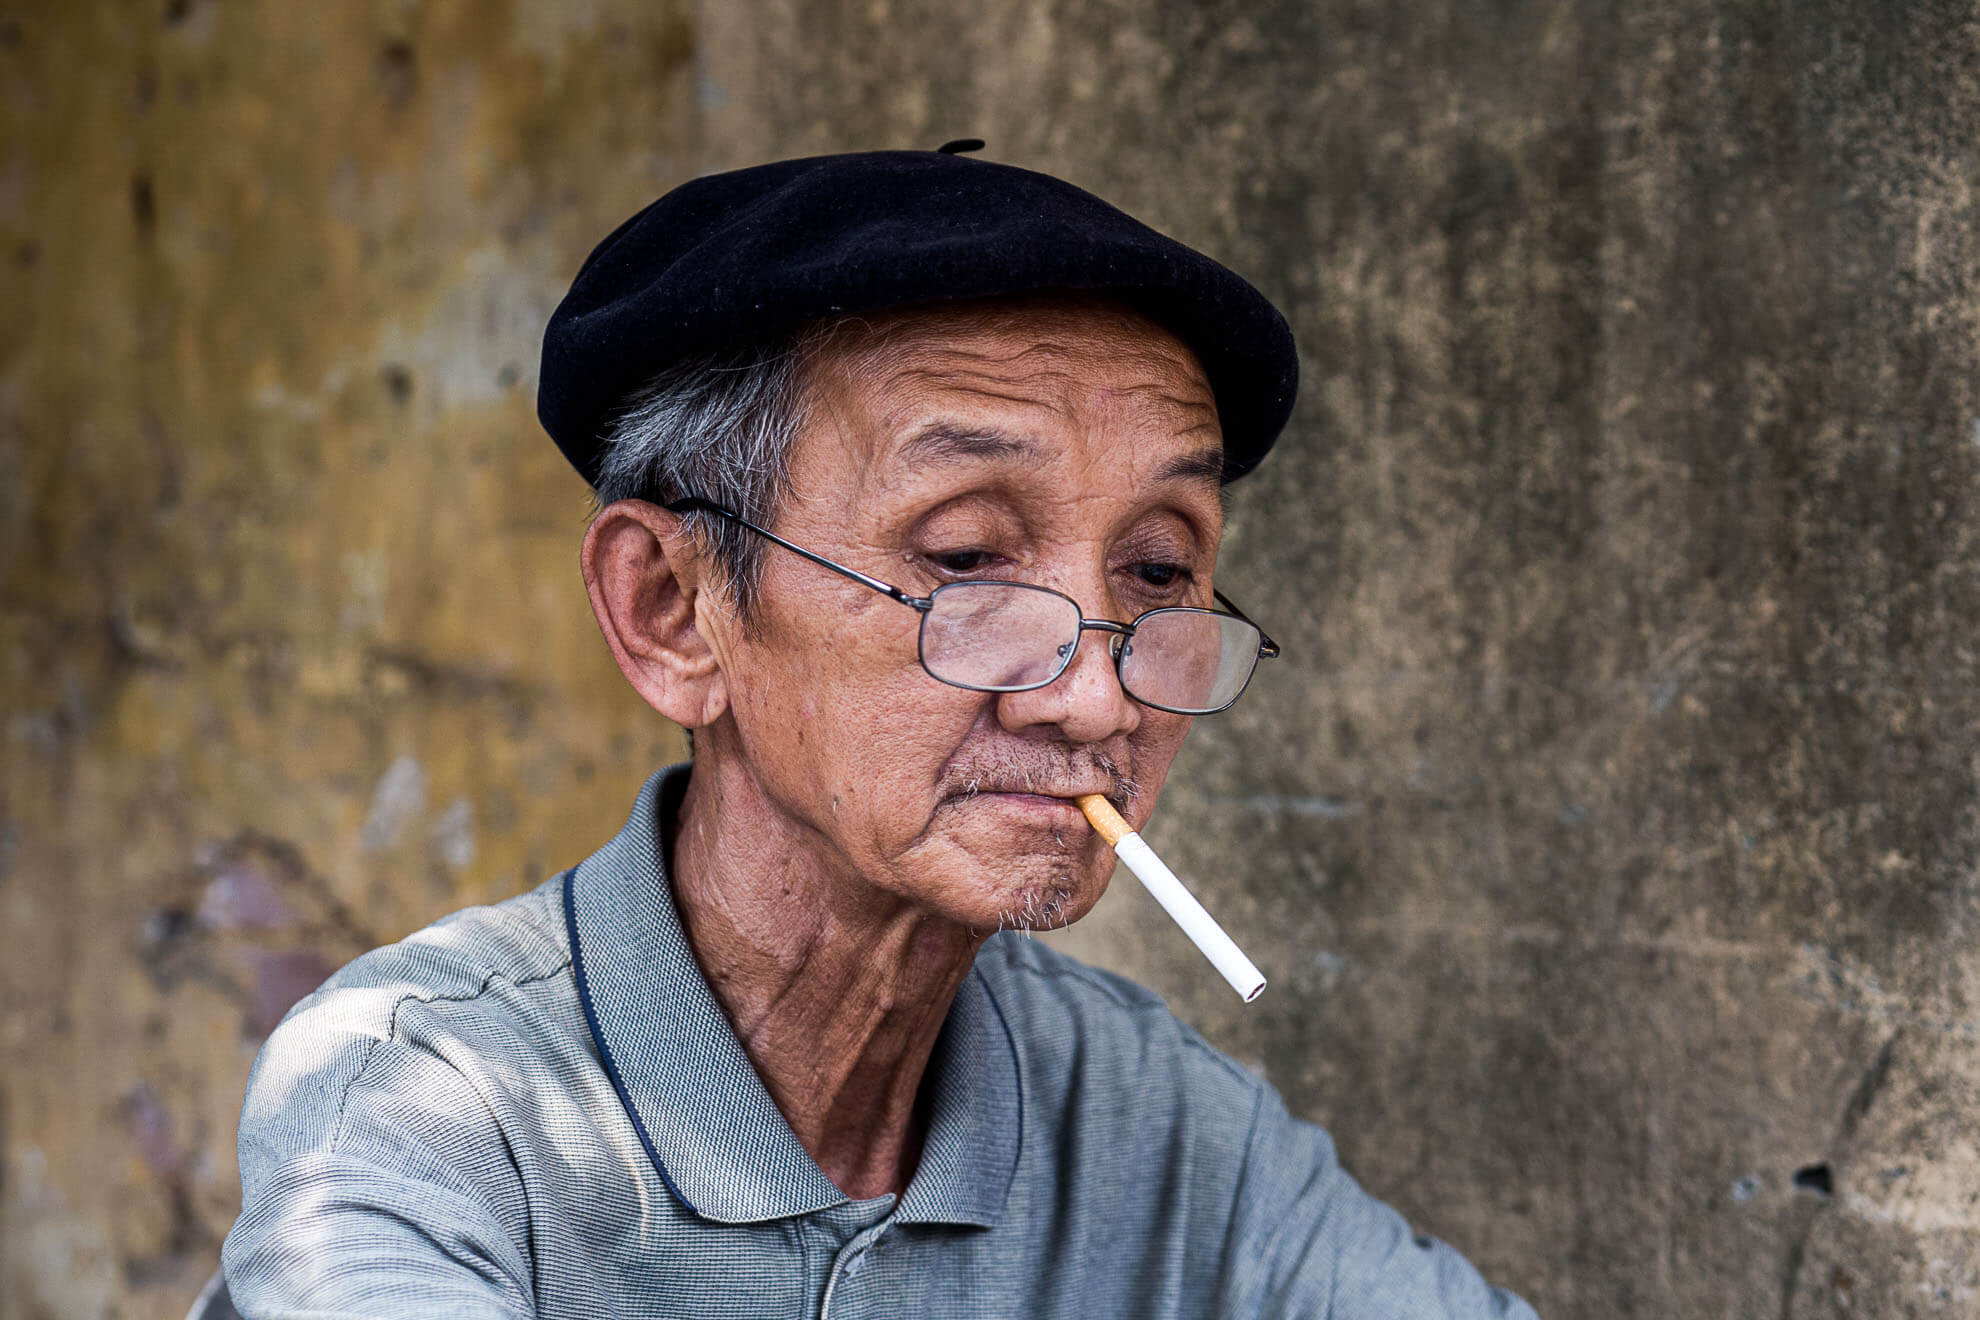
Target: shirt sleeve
[1309,1242]
[375,1183]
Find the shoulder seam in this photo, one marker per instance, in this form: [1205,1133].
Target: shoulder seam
[487,979]
[1085,976]
[344,1097]
[392,1034]
[1237,1070]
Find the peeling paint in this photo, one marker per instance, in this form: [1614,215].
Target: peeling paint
[399,798]
[453,835]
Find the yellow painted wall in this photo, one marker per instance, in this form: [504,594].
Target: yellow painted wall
[1608,829]
[296,655]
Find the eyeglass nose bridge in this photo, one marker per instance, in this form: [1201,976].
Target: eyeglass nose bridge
[1118,645]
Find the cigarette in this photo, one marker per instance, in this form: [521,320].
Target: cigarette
[1178,902]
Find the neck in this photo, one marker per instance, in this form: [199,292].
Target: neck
[837,990]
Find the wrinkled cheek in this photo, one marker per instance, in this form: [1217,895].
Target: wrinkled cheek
[860,739]
[1154,746]
[901,733]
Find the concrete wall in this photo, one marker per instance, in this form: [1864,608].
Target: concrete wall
[1609,829]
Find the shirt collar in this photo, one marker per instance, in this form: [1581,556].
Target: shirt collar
[713,1132]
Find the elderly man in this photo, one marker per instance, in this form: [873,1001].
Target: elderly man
[911,472]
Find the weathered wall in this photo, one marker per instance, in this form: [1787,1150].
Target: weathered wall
[1609,828]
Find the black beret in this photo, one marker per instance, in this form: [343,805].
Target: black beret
[753,255]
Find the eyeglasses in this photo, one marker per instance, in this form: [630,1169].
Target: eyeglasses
[992,636]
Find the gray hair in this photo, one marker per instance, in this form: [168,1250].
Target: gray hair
[720,426]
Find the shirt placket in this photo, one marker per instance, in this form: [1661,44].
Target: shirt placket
[853,1275]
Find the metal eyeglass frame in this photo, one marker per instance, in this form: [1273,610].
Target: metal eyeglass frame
[1123,632]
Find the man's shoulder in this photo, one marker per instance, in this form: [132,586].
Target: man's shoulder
[447,1014]
[458,960]
[1072,1017]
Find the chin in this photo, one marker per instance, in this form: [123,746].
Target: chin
[992,877]
[1050,901]
[1042,907]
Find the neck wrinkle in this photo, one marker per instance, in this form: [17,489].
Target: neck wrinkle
[837,991]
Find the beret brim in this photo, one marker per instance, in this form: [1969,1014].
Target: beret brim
[751,256]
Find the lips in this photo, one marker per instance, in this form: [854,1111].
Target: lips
[1069,797]
[1043,807]
[1047,810]
[1061,782]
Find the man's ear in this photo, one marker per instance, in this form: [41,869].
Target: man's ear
[644,572]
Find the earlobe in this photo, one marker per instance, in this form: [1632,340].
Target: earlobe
[643,575]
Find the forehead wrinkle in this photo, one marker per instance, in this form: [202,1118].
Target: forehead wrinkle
[966,345]
[1059,385]
[1201,412]
[904,381]
[994,389]
[1062,401]
[952,442]
[1035,344]
[1063,324]
[1204,403]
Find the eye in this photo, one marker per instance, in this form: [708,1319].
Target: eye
[1159,575]
[962,561]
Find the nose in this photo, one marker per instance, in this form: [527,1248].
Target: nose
[1085,702]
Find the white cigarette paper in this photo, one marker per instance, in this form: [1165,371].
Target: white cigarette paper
[1178,902]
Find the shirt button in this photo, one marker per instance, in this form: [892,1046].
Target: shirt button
[855,1263]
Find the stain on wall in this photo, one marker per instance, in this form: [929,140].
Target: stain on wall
[296,654]
[1608,829]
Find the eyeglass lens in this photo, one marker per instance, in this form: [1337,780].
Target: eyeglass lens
[1190,660]
[1008,636]
[996,635]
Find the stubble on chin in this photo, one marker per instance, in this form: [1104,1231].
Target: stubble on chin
[1041,909]
[1049,903]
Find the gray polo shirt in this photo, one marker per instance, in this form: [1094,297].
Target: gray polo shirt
[538,1109]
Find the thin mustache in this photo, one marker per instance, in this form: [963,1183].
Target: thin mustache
[1051,779]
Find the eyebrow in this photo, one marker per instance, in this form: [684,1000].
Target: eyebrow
[1201,465]
[944,443]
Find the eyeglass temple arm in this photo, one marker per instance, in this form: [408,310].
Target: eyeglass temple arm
[1267,648]
[695,504]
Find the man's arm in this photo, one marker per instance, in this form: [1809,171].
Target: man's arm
[1309,1242]
[375,1183]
